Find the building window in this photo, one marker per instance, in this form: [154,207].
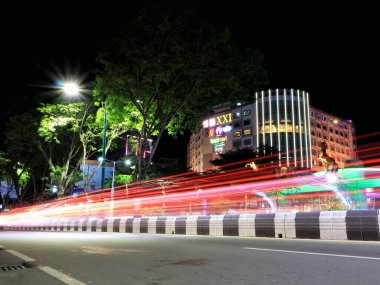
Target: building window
[324,128]
[247,132]
[331,139]
[246,122]
[318,126]
[237,115]
[247,142]
[236,143]
[323,117]
[331,130]
[236,125]
[247,112]
[312,133]
[237,134]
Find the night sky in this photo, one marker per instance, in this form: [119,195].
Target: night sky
[330,52]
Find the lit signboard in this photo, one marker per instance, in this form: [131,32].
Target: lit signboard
[227,128]
[219,149]
[219,131]
[216,140]
[218,120]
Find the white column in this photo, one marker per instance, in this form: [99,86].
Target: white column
[294,131]
[278,129]
[300,126]
[286,131]
[270,118]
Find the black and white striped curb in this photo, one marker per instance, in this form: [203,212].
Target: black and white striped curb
[337,225]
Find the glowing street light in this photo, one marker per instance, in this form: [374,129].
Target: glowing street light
[71,88]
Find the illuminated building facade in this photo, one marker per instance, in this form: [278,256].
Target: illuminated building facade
[281,119]
[133,144]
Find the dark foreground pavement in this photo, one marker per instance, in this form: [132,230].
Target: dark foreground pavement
[117,258]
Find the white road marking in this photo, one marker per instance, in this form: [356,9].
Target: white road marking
[313,253]
[60,276]
[51,271]
[20,255]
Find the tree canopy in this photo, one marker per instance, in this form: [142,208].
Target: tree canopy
[68,132]
[240,157]
[166,72]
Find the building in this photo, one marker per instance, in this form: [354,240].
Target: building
[93,170]
[281,119]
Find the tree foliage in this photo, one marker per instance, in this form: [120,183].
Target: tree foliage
[166,72]
[68,133]
[22,151]
[239,157]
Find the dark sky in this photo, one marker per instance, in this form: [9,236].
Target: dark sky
[329,51]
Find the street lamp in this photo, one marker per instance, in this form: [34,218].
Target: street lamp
[127,162]
[71,88]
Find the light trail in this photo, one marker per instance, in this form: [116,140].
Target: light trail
[239,190]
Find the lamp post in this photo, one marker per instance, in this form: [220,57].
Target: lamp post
[104,139]
[127,162]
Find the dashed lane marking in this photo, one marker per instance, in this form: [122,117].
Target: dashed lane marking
[313,253]
[51,271]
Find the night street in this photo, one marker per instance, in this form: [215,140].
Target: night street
[107,258]
[189,142]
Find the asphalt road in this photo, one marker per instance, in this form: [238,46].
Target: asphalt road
[116,258]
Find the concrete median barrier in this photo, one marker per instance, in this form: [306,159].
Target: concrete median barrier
[327,225]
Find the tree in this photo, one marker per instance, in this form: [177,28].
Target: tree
[4,176]
[69,135]
[235,158]
[166,72]
[22,151]
[261,156]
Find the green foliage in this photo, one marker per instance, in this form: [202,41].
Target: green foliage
[3,162]
[121,179]
[64,178]
[24,177]
[166,72]
[69,133]
[59,119]
[22,146]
